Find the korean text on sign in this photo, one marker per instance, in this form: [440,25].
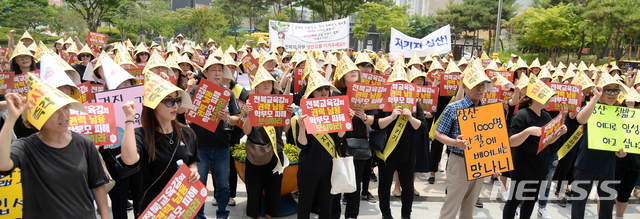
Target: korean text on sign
[270,110]
[401,94]
[250,63]
[485,132]
[97,39]
[550,131]
[449,84]
[299,72]
[367,97]
[506,74]
[87,92]
[98,123]
[373,79]
[178,199]
[119,97]
[136,71]
[209,99]
[20,83]
[612,127]
[11,194]
[567,94]
[493,95]
[6,82]
[428,97]
[327,115]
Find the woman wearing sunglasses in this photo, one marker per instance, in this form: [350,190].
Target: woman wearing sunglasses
[85,55]
[596,166]
[161,145]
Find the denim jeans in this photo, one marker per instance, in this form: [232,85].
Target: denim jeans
[553,163]
[219,159]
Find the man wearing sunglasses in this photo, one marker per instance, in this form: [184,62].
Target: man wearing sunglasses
[350,54]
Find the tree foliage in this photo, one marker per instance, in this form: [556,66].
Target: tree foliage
[92,11]
[332,9]
[24,14]
[383,18]
[422,26]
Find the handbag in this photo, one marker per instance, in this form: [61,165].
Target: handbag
[360,148]
[343,172]
[124,171]
[377,139]
[257,154]
[111,182]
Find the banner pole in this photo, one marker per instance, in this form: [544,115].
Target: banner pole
[495,45]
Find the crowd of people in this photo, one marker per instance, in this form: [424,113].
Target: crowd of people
[62,174]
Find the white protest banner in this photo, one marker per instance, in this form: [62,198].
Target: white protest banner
[439,41]
[315,36]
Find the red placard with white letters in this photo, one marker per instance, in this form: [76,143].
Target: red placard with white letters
[327,115]
[210,98]
[270,110]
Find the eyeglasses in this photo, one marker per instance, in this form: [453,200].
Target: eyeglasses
[326,88]
[85,55]
[350,50]
[169,101]
[23,57]
[614,91]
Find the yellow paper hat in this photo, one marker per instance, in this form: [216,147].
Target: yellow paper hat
[187,49]
[20,50]
[255,54]
[310,67]
[172,63]
[334,50]
[153,43]
[382,65]
[26,35]
[129,44]
[583,80]
[523,81]
[474,75]
[561,66]
[140,49]
[103,54]
[210,41]
[316,80]
[398,74]
[632,95]
[42,49]
[60,41]
[321,56]
[582,66]
[544,73]
[498,60]
[462,62]
[435,66]
[330,59]
[614,67]
[539,91]
[68,41]
[484,55]
[261,40]
[414,73]
[363,58]
[122,57]
[52,73]
[569,74]
[606,79]
[492,66]
[43,100]
[263,75]
[520,64]
[155,61]
[453,68]
[183,59]
[231,50]
[198,48]
[73,49]
[298,57]
[503,82]
[172,49]
[32,47]
[212,61]
[264,57]
[427,59]
[435,54]
[114,75]
[592,67]
[535,64]
[414,60]
[624,92]
[617,77]
[345,66]
[558,73]
[156,89]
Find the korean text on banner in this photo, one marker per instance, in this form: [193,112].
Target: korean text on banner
[567,94]
[485,132]
[178,199]
[327,115]
[373,79]
[270,110]
[11,195]
[550,131]
[401,94]
[326,35]
[250,64]
[493,95]
[88,90]
[486,62]
[506,74]
[428,97]
[6,82]
[98,123]
[4,54]
[119,97]
[20,83]
[136,71]
[449,84]
[298,72]
[612,127]
[438,41]
[97,39]
[367,97]
[209,99]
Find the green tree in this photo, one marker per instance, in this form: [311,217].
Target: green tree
[422,26]
[205,23]
[125,17]
[383,18]
[263,26]
[26,15]
[332,9]
[92,11]
[67,21]
[618,16]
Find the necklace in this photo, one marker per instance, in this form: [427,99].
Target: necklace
[170,138]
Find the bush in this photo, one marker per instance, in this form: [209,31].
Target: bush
[239,152]
[4,31]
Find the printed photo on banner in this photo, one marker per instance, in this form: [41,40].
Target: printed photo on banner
[550,131]
[326,35]
[401,94]
[613,127]
[373,79]
[178,199]
[270,110]
[449,84]
[438,41]
[327,115]
[428,97]
[367,97]
[210,99]
[566,94]
[99,123]
[485,132]
[6,82]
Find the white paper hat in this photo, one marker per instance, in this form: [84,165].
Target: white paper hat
[114,75]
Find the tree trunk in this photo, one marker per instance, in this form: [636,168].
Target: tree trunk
[615,45]
[581,46]
[301,14]
[568,53]
[489,45]
[595,46]
[250,29]
[606,46]
[501,45]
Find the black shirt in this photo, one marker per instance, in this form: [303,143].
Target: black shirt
[526,164]
[314,158]
[187,152]
[405,150]
[57,182]
[237,132]
[359,128]
[259,136]
[80,69]
[221,138]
